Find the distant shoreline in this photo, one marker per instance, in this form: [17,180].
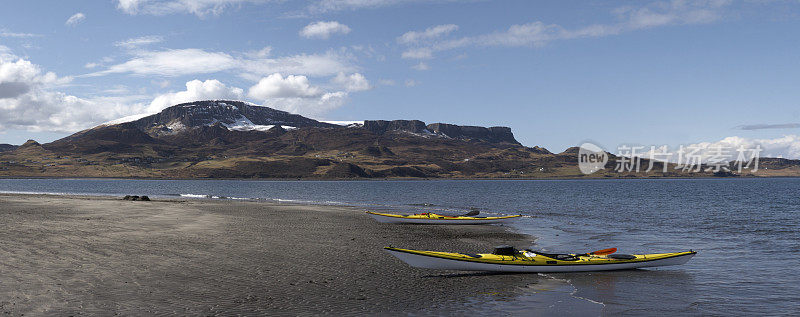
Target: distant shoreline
[397,178]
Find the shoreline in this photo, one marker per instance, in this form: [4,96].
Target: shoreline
[387,179]
[100,254]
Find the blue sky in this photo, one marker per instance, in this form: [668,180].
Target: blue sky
[558,73]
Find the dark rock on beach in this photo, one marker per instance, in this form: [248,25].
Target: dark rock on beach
[136,198]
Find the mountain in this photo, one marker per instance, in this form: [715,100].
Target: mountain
[7,147]
[234,139]
[233,115]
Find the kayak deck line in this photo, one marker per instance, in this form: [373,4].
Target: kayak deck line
[431,218]
[532,260]
[437,216]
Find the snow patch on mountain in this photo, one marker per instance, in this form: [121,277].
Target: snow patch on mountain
[176,126]
[244,124]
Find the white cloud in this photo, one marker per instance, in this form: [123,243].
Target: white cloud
[13,89]
[323,29]
[48,110]
[336,5]
[295,94]
[195,90]
[139,41]
[103,61]
[29,101]
[672,12]
[787,146]
[306,64]
[117,90]
[276,86]
[190,61]
[197,7]
[18,76]
[428,34]
[411,83]
[129,6]
[764,126]
[421,66]
[352,82]
[537,33]
[75,19]
[7,33]
[161,83]
[387,82]
[530,34]
[173,63]
[727,149]
[424,37]
[264,52]
[322,6]
[418,53]
[309,106]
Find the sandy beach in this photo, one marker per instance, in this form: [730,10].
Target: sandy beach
[70,255]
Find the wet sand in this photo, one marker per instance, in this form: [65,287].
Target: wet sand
[70,255]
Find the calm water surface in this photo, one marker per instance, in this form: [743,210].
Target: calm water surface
[746,231]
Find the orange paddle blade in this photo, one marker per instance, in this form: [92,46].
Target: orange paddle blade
[604,251]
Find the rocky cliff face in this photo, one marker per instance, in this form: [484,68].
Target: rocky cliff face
[491,134]
[383,126]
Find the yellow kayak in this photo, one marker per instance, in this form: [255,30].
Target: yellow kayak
[536,262]
[431,218]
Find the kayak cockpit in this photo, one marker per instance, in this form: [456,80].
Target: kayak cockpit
[557,256]
[511,251]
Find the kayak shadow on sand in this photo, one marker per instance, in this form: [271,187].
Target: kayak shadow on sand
[474,274]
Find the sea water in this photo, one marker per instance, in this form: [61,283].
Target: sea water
[746,232]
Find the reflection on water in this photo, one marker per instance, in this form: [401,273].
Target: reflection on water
[544,296]
[636,291]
